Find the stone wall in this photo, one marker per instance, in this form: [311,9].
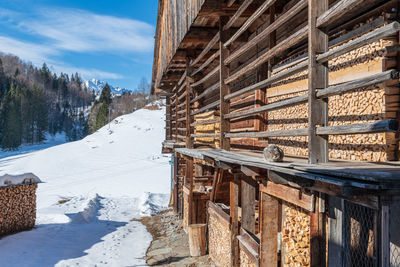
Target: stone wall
[219,240]
[17,208]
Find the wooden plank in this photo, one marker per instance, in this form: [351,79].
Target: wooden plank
[277,133]
[213,88]
[189,139]
[265,33]
[212,207]
[384,251]
[214,184]
[288,194]
[264,6]
[212,121]
[224,88]
[317,235]
[230,3]
[336,11]
[336,231]
[268,230]
[207,62]
[248,197]
[370,37]
[238,13]
[206,77]
[189,176]
[205,135]
[234,217]
[382,126]
[208,47]
[282,46]
[317,80]
[206,107]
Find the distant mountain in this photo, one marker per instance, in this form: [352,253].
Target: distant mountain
[97,86]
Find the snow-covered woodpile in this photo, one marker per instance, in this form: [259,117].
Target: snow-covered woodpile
[296,237]
[17,203]
[219,239]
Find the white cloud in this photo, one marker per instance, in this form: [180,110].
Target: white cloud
[82,31]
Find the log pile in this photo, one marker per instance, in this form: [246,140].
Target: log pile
[17,208]
[245,261]
[354,107]
[219,241]
[185,212]
[210,128]
[296,237]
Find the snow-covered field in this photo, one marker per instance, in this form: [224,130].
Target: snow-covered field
[103,182]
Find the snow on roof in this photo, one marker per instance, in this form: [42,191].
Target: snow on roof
[11,180]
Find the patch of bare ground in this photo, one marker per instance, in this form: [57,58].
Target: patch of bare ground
[170,245]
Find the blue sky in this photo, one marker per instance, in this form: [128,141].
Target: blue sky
[109,40]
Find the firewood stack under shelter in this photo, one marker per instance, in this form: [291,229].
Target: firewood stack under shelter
[17,202]
[317,78]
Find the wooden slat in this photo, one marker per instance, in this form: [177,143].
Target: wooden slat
[213,88]
[248,197]
[212,121]
[250,21]
[288,194]
[209,106]
[207,62]
[234,203]
[238,13]
[269,216]
[277,133]
[230,3]
[336,11]
[382,126]
[282,46]
[208,47]
[264,34]
[370,37]
[182,79]
[205,135]
[205,78]
[183,95]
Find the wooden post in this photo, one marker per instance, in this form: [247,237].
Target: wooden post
[248,199]
[384,247]
[233,203]
[269,222]
[223,87]
[317,79]
[176,183]
[189,139]
[176,116]
[335,241]
[317,234]
[189,176]
[197,240]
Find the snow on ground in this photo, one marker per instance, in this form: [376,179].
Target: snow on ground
[103,182]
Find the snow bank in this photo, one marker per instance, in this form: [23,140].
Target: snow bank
[92,190]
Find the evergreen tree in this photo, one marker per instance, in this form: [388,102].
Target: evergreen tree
[105,96]
[102,116]
[11,112]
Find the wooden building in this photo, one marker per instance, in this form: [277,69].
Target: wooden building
[317,78]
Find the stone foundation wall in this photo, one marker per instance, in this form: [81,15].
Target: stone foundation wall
[219,241]
[17,208]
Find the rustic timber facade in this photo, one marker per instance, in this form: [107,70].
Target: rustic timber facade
[317,78]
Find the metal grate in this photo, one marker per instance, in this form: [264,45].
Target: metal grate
[394,234]
[359,236]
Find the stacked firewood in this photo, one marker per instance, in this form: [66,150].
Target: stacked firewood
[219,241]
[296,237]
[17,208]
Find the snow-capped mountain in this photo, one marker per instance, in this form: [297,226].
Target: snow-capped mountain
[97,86]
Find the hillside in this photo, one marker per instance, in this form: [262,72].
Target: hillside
[92,190]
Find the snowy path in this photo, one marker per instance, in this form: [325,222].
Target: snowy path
[106,179]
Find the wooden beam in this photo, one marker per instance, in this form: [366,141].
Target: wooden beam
[206,77]
[271,28]
[189,176]
[213,88]
[248,198]
[317,234]
[234,203]
[224,88]
[382,126]
[208,47]
[264,6]
[317,80]
[336,11]
[189,139]
[289,194]
[269,222]
[207,62]
[217,174]
[238,13]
